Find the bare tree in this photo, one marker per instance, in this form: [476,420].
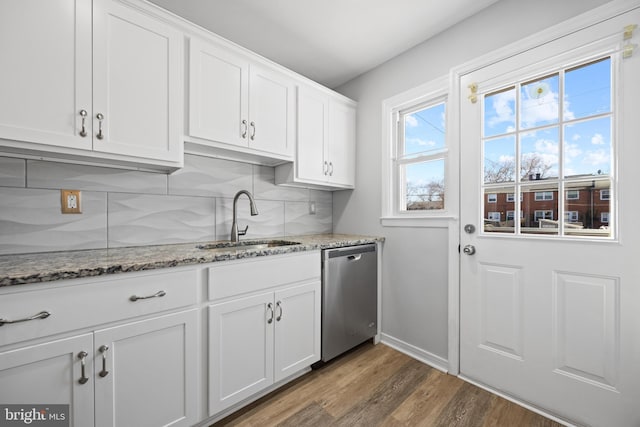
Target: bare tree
[503,171]
[425,196]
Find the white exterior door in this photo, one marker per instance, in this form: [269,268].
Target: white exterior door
[297,329]
[148,375]
[45,78]
[137,84]
[51,373]
[550,300]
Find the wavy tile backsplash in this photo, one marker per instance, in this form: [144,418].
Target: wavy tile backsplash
[131,208]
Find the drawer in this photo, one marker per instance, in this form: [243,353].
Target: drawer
[249,275]
[93,302]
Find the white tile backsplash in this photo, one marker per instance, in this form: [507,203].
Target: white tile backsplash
[132,208]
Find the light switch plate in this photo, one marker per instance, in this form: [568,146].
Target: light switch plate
[70,201]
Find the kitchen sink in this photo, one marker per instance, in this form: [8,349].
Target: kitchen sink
[245,245]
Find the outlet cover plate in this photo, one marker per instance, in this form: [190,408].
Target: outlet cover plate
[70,201]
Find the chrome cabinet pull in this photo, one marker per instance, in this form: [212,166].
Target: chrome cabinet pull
[41,315]
[100,117]
[158,294]
[253,130]
[325,169]
[83,377]
[83,131]
[270,308]
[244,132]
[331,165]
[103,349]
[279,307]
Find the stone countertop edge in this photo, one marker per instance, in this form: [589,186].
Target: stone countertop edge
[52,266]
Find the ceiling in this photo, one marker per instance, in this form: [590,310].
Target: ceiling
[329,41]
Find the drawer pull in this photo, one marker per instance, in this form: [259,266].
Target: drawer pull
[103,349]
[41,315]
[158,294]
[82,356]
[279,307]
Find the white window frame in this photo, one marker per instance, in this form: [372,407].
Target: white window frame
[491,196]
[537,217]
[607,192]
[571,216]
[577,193]
[432,93]
[604,217]
[543,197]
[511,197]
[512,214]
[492,216]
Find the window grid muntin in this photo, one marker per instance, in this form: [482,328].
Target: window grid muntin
[519,182]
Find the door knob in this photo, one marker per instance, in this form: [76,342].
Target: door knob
[469,249]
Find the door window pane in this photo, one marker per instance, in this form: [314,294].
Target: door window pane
[587,148]
[495,210]
[588,208]
[539,154]
[587,90]
[540,209]
[539,104]
[500,160]
[500,112]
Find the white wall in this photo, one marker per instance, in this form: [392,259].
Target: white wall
[414,296]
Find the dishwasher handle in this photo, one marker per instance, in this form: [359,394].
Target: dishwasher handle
[349,252]
[354,257]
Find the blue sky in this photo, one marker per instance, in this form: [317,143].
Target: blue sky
[424,132]
[587,144]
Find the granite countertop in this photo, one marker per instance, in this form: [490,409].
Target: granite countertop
[51,266]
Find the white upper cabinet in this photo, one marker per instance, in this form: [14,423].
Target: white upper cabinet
[94,80]
[136,83]
[238,104]
[45,77]
[326,142]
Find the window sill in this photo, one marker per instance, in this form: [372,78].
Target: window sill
[439,221]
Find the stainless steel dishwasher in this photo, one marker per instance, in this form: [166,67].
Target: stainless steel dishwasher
[349,298]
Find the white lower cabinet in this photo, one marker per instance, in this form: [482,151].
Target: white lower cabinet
[146,372]
[51,373]
[261,339]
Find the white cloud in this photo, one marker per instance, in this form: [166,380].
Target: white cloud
[597,139]
[546,146]
[576,137]
[506,158]
[411,121]
[421,142]
[503,107]
[571,151]
[596,158]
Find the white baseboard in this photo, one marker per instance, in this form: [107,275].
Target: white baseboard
[417,353]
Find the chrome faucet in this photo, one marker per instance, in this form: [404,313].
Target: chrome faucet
[234,226]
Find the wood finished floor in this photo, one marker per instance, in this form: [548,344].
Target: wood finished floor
[378,386]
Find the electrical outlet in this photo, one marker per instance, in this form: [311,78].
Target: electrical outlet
[70,201]
[312,208]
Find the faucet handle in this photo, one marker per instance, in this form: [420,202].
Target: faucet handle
[243,232]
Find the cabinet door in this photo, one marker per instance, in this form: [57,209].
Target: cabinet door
[297,328]
[137,62]
[50,374]
[313,133]
[45,79]
[218,94]
[271,111]
[148,374]
[240,349]
[342,143]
